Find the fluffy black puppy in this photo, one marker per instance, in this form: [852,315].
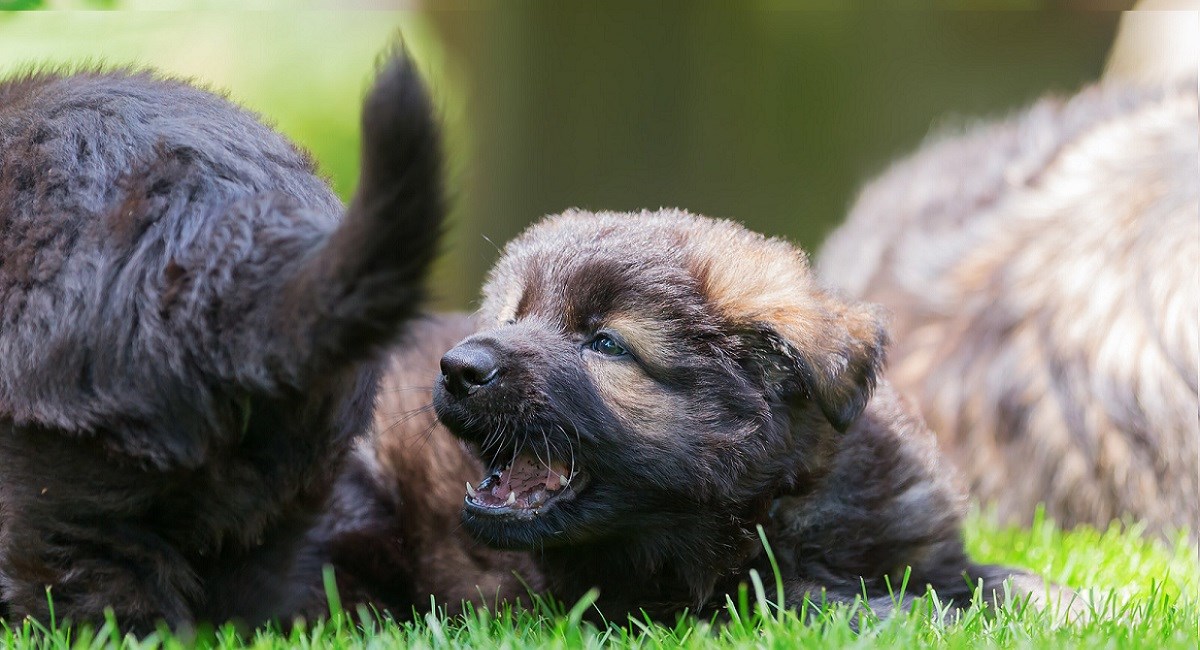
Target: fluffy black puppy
[188,328]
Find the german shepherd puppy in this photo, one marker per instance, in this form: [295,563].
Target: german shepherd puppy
[1042,276]
[646,389]
[189,329]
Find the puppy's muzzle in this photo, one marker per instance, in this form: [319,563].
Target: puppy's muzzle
[468,367]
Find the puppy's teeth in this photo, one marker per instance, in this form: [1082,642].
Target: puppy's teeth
[512,498]
[564,479]
[471,490]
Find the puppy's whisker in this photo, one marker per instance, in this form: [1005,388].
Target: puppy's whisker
[406,389]
[427,435]
[571,475]
[493,437]
[406,416]
[571,449]
[409,412]
[537,456]
[488,240]
[414,438]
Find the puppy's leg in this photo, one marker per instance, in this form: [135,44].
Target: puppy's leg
[249,587]
[77,575]
[955,591]
[957,582]
[84,535]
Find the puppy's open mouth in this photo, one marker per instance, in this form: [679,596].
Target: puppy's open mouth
[525,488]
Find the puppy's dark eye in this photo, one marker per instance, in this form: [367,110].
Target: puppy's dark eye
[605,344]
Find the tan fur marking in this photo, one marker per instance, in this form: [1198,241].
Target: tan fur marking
[639,402]
[646,336]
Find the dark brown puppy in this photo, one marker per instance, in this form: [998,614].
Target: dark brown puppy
[647,389]
[1042,276]
[189,320]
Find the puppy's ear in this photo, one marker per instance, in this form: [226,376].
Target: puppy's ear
[832,356]
[803,340]
[840,365]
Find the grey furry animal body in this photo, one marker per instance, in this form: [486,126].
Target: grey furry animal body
[644,390]
[189,333]
[1041,276]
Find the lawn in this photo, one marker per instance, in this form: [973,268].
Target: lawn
[1142,592]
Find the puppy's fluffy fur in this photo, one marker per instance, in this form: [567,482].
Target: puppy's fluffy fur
[1042,276]
[187,335]
[647,389]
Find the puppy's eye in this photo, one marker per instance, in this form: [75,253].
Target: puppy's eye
[605,344]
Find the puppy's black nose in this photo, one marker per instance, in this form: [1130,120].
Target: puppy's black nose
[469,366]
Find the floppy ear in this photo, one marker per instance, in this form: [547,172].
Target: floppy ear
[840,365]
[831,355]
[801,339]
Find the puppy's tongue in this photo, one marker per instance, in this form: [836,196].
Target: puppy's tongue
[526,483]
[526,475]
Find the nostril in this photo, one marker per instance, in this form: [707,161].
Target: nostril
[468,367]
[480,378]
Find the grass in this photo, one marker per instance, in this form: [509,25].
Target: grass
[1143,593]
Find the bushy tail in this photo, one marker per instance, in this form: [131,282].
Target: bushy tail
[353,293]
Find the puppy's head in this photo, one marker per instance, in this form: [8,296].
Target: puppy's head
[635,373]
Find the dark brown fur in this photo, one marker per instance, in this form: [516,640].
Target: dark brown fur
[189,330]
[748,398]
[1041,273]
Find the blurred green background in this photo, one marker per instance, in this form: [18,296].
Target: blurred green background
[772,116]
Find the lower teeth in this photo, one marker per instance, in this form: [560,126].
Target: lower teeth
[486,493]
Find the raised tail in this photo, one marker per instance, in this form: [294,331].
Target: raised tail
[351,295]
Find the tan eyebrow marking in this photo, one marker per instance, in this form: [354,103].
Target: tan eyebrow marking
[648,338]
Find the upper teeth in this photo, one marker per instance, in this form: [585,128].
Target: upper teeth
[471,490]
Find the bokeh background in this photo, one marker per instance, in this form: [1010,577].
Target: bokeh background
[767,113]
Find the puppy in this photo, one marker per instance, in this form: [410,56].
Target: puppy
[1042,276]
[647,389]
[188,329]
